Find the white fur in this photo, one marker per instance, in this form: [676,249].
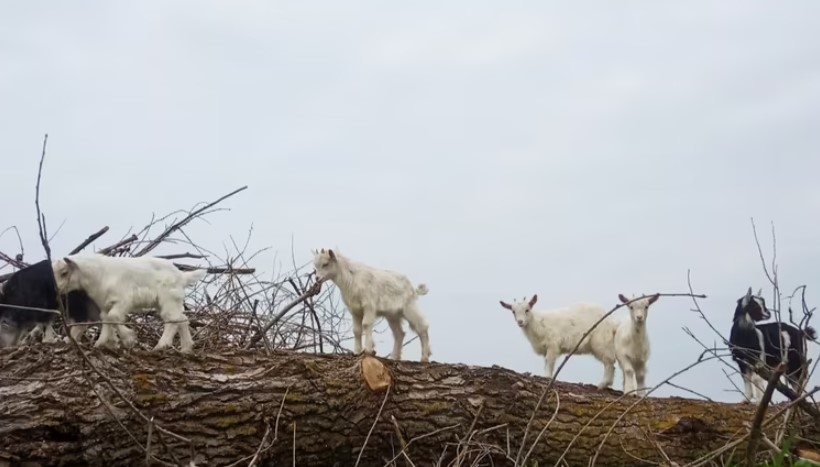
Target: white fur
[556,332]
[632,344]
[122,285]
[755,384]
[369,293]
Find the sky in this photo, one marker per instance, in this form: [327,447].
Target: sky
[490,150]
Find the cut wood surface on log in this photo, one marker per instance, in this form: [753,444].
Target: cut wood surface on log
[234,405]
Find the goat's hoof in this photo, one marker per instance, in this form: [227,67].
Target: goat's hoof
[186,350]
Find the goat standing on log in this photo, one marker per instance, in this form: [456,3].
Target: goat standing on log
[754,343]
[632,344]
[556,332]
[119,285]
[369,293]
[34,287]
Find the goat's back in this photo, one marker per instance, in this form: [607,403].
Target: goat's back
[566,325]
[386,291]
[144,271]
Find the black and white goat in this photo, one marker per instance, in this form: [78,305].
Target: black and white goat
[751,343]
[34,286]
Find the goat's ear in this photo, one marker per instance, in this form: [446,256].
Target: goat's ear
[533,300]
[654,298]
[745,300]
[760,292]
[332,255]
[622,298]
[70,263]
[505,305]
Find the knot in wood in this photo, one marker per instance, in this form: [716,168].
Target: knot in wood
[375,374]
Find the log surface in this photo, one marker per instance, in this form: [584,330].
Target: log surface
[51,414]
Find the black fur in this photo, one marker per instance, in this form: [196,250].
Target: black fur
[745,345]
[34,286]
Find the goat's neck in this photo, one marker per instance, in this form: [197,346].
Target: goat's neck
[531,329]
[745,322]
[638,329]
[344,279]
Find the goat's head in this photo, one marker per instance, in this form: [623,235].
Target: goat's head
[521,310]
[752,307]
[326,264]
[639,309]
[66,274]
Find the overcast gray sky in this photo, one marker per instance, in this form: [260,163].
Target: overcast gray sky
[490,150]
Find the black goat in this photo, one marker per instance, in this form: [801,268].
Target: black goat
[751,343]
[34,286]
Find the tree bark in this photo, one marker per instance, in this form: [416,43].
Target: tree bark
[55,411]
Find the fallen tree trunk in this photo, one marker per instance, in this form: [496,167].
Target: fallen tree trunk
[54,410]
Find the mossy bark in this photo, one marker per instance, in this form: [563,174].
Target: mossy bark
[51,414]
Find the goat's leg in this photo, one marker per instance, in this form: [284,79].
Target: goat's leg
[398,336]
[795,370]
[77,331]
[640,378]
[117,314]
[70,330]
[368,319]
[357,333]
[552,355]
[171,312]
[10,334]
[49,336]
[169,330]
[186,342]
[760,385]
[419,325]
[106,330]
[629,376]
[33,333]
[749,391]
[609,373]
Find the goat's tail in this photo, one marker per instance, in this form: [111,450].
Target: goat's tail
[192,277]
[422,289]
[811,333]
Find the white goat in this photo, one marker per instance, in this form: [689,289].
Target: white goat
[369,293]
[632,343]
[122,285]
[556,332]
